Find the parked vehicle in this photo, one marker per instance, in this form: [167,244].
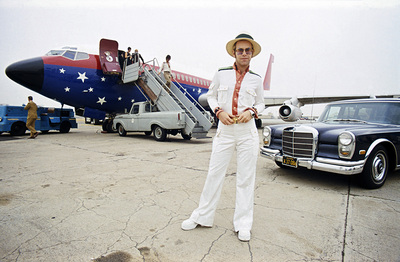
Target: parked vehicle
[353,137]
[13,120]
[145,117]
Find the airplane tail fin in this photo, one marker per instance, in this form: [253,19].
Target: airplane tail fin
[267,78]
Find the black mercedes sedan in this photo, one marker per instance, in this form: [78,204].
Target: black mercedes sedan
[354,137]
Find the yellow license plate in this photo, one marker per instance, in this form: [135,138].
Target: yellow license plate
[289,161]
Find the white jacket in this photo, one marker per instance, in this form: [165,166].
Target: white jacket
[221,90]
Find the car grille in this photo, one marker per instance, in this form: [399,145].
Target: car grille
[299,142]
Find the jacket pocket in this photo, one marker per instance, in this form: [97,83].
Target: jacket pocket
[222,94]
[249,97]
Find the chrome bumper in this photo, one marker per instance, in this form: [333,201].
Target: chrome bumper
[319,163]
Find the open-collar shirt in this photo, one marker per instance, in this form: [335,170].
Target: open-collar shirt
[234,91]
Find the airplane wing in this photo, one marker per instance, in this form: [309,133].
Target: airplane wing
[306,100]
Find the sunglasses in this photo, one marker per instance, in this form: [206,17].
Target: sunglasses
[248,51]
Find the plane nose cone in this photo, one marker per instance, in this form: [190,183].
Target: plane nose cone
[29,73]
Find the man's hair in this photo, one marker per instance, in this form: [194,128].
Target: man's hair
[234,46]
[168,57]
[30,98]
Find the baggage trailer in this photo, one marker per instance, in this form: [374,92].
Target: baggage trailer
[13,119]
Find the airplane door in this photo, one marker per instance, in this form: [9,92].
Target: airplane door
[109,57]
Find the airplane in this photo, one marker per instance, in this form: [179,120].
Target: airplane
[92,83]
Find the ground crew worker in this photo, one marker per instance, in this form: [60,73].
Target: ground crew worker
[32,116]
[235,95]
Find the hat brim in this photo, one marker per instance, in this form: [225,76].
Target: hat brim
[230,44]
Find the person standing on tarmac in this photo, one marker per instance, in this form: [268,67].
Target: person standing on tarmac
[236,95]
[32,116]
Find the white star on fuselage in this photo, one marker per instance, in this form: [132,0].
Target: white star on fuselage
[67,89]
[91,89]
[119,98]
[102,100]
[82,77]
[103,79]
[62,71]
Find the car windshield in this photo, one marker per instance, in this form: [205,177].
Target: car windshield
[368,112]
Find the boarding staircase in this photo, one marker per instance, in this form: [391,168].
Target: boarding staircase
[176,98]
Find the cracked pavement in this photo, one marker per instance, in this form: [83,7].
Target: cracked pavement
[86,196]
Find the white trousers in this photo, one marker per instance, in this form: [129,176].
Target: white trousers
[244,139]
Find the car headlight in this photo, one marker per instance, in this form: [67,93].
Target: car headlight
[267,136]
[346,145]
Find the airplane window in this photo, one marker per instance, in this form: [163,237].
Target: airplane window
[55,52]
[202,83]
[81,56]
[198,82]
[69,55]
[187,80]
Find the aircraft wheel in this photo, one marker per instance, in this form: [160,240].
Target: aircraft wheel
[159,133]
[104,126]
[186,137]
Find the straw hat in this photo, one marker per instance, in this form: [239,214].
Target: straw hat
[243,36]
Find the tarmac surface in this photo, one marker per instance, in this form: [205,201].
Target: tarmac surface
[89,196]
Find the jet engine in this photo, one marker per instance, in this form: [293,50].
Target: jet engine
[290,110]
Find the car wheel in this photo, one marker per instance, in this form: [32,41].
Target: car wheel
[375,169]
[159,133]
[121,130]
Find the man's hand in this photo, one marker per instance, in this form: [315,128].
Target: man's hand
[225,118]
[245,117]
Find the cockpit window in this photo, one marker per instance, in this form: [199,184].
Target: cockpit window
[55,52]
[81,56]
[70,54]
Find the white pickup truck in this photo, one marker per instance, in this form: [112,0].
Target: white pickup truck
[145,117]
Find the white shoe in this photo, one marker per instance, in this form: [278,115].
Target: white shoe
[188,224]
[244,235]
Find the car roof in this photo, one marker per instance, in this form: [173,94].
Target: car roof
[367,100]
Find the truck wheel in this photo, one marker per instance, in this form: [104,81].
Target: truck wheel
[18,129]
[121,130]
[159,133]
[375,169]
[65,127]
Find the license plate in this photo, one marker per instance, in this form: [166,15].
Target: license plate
[289,161]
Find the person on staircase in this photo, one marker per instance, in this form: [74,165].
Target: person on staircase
[166,69]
